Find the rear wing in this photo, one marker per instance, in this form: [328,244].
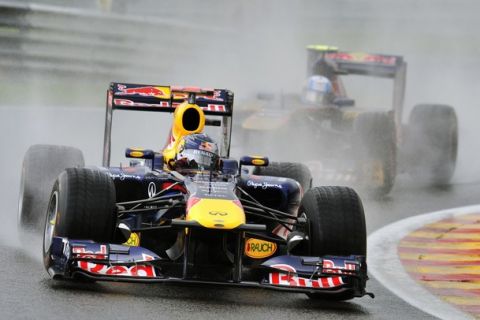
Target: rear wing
[140,97]
[368,64]
[380,65]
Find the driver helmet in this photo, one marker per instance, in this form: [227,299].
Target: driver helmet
[196,152]
[318,90]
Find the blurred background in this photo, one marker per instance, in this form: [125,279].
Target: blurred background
[58,57]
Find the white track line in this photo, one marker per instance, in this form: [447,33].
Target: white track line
[384,263]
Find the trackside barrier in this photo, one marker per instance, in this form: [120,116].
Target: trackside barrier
[72,40]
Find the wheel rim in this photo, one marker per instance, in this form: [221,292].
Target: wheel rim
[378,173]
[20,199]
[50,222]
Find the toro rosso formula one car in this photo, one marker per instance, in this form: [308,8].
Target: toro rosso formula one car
[190,214]
[363,144]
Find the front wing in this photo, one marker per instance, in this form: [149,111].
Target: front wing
[71,259]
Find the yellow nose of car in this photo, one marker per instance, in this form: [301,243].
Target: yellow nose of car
[217,213]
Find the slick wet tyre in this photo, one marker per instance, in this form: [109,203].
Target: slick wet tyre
[81,206]
[376,150]
[292,170]
[336,221]
[432,144]
[41,166]
[336,226]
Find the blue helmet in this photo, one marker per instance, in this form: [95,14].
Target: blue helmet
[318,90]
[196,152]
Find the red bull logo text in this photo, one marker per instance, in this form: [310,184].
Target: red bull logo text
[147,91]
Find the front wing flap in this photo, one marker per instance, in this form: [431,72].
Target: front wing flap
[328,273]
[69,257]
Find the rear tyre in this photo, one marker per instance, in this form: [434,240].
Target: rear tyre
[432,143]
[41,166]
[292,170]
[81,206]
[376,149]
[336,226]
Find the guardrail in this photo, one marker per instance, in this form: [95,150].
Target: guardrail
[70,40]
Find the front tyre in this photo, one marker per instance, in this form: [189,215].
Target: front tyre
[81,206]
[336,226]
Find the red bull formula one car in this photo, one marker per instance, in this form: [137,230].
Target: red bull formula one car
[191,214]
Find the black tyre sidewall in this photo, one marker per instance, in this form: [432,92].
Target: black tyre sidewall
[64,216]
[376,140]
[47,261]
[336,221]
[432,144]
[41,166]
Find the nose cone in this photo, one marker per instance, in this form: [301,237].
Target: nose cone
[216,213]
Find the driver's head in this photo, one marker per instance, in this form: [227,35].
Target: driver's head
[196,152]
[318,91]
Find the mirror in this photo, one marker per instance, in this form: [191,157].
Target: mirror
[343,102]
[257,161]
[139,153]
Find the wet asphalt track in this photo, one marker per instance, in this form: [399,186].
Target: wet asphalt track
[419,29]
[28,293]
